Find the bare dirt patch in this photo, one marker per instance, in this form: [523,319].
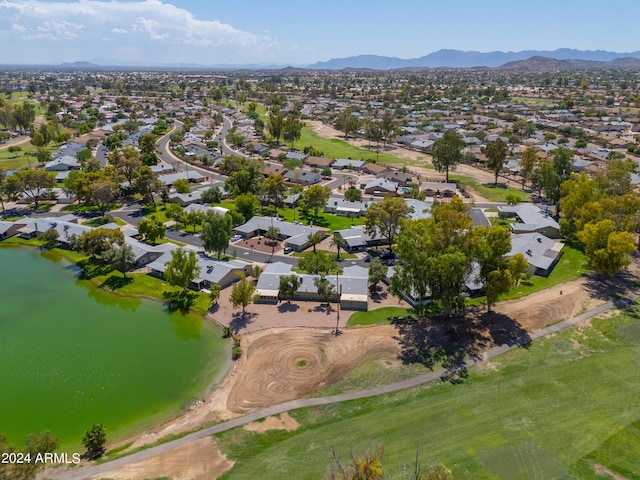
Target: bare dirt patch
[198,460]
[274,373]
[549,306]
[281,422]
[602,470]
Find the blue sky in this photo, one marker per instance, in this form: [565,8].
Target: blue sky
[301,32]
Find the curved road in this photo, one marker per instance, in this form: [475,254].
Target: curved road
[87,472]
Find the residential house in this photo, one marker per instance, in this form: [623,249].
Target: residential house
[294,235]
[319,162]
[350,288]
[348,164]
[439,189]
[303,177]
[356,239]
[397,176]
[531,219]
[374,168]
[380,187]
[541,252]
[63,163]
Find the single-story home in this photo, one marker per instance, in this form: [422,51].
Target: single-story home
[531,219]
[350,288]
[541,252]
[293,234]
[439,189]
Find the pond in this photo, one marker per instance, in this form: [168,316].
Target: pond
[72,355]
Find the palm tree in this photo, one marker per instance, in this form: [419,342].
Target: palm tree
[335,243]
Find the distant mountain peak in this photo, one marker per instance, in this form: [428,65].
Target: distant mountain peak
[448,58]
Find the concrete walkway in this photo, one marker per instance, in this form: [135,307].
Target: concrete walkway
[87,472]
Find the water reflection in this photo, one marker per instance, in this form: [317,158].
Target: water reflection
[129,304]
[186,326]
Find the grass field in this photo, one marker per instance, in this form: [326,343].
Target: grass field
[18,160]
[336,148]
[547,412]
[491,192]
[380,315]
[324,220]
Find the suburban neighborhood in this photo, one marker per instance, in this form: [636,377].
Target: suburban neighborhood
[342,229]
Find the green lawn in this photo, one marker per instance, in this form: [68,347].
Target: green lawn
[379,315]
[99,221]
[491,192]
[18,160]
[570,267]
[546,412]
[324,220]
[343,255]
[336,148]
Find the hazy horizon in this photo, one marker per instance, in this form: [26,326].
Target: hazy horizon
[153,32]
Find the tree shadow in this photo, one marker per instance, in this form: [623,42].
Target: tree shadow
[324,308]
[93,267]
[495,185]
[288,307]
[445,342]
[179,300]
[240,320]
[378,296]
[115,282]
[619,287]
[214,308]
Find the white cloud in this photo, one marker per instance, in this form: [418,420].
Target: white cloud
[155,27]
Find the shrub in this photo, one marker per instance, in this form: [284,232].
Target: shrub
[236,353]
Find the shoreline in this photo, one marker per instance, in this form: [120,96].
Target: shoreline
[157,421]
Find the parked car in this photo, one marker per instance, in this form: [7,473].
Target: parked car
[288,250]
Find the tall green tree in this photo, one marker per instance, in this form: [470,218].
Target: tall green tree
[242,293]
[315,198]
[447,152]
[527,164]
[216,232]
[273,234]
[377,273]
[292,129]
[182,269]
[94,440]
[275,125]
[97,241]
[120,257]
[247,204]
[491,247]
[383,218]
[607,250]
[289,285]
[274,189]
[318,263]
[152,228]
[34,184]
[496,153]
[323,287]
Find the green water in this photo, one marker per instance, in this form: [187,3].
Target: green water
[72,355]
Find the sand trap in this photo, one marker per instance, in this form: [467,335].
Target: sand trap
[281,422]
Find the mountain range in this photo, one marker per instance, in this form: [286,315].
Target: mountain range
[468,59]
